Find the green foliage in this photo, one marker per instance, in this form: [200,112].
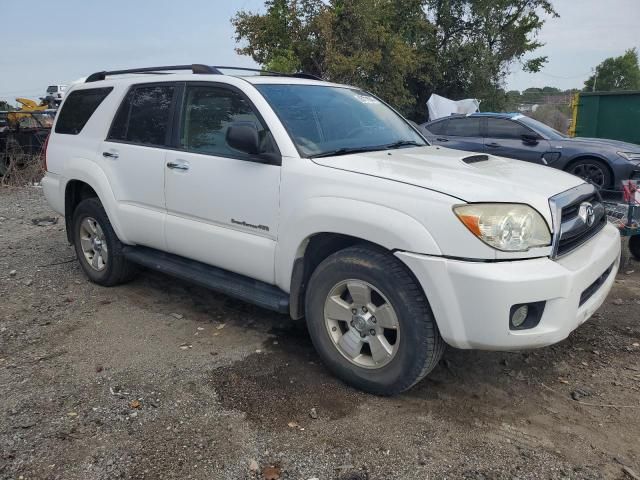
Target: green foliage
[616,73]
[401,50]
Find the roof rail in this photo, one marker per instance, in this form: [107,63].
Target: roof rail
[195,68]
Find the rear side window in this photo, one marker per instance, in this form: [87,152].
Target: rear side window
[500,128]
[464,127]
[78,108]
[144,116]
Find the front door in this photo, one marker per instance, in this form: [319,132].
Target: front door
[508,138]
[222,204]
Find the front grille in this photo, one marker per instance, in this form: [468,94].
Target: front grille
[571,228]
[593,288]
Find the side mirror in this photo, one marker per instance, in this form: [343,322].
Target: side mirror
[243,136]
[530,139]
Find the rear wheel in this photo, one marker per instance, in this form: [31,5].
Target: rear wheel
[97,247]
[370,321]
[593,171]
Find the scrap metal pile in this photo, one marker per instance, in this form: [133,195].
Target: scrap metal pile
[23,133]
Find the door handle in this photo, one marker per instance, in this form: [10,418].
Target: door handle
[110,154]
[440,139]
[493,145]
[178,165]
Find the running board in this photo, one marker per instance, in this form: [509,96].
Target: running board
[229,283]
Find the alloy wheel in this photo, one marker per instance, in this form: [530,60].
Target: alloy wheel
[94,244]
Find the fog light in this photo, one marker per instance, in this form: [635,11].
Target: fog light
[519,316]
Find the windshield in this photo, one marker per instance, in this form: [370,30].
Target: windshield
[542,129]
[52,89]
[325,120]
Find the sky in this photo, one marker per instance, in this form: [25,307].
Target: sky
[45,43]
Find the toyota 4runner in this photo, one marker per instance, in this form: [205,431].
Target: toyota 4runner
[320,201]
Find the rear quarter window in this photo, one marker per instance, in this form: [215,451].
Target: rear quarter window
[78,108]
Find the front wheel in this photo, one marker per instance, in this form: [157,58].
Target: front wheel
[593,171]
[371,322]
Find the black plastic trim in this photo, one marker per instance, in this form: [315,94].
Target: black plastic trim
[229,283]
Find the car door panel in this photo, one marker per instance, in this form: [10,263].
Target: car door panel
[133,157]
[504,138]
[222,208]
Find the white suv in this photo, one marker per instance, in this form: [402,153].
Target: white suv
[320,201]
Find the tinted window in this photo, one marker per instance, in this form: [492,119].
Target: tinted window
[464,127]
[78,108]
[500,128]
[207,114]
[144,115]
[437,128]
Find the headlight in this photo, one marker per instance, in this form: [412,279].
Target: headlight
[631,156]
[505,226]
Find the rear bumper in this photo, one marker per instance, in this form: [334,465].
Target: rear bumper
[471,301]
[53,187]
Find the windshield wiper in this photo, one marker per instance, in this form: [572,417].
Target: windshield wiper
[347,151]
[404,143]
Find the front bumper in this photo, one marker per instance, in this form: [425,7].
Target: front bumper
[471,300]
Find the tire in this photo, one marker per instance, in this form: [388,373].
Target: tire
[417,346]
[91,221]
[593,171]
[634,246]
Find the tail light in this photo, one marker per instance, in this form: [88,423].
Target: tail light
[44,152]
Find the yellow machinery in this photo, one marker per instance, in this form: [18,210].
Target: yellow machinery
[25,114]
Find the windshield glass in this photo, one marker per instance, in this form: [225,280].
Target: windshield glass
[325,120]
[542,129]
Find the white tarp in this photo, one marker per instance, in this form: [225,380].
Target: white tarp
[443,107]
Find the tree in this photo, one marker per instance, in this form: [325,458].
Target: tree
[401,50]
[616,73]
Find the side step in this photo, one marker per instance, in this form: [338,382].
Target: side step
[229,283]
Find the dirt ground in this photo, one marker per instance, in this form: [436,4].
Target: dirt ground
[160,379]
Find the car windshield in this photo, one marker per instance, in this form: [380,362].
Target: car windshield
[326,120]
[542,129]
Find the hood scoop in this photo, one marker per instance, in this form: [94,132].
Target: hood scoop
[475,159]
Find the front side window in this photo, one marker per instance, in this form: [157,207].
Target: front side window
[144,116]
[464,127]
[207,114]
[325,120]
[501,128]
[78,108]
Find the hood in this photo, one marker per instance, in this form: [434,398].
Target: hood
[606,143]
[441,169]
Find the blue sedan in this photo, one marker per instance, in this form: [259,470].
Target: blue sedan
[605,163]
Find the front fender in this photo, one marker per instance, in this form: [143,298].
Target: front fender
[387,227]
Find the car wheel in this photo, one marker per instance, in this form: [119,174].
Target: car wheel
[593,171]
[634,246]
[97,246]
[371,322]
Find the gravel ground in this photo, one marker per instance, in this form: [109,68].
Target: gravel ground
[160,379]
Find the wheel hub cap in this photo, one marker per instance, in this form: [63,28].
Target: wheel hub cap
[362,324]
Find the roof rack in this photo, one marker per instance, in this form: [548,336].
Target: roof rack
[195,68]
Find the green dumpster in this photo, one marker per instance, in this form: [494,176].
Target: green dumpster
[614,115]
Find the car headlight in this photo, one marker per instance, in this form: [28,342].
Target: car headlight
[505,226]
[631,156]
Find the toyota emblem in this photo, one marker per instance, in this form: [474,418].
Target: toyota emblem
[587,214]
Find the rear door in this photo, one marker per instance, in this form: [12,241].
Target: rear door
[462,133]
[509,138]
[222,204]
[133,156]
